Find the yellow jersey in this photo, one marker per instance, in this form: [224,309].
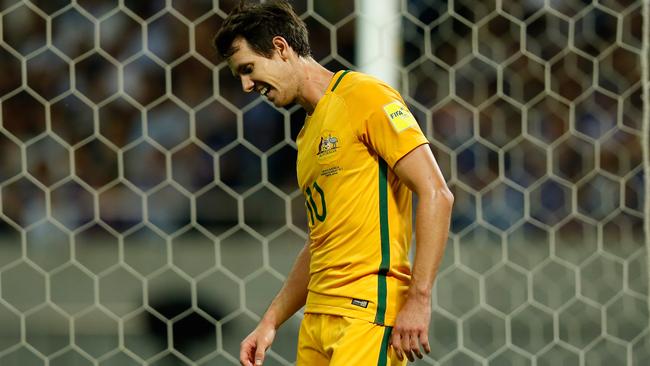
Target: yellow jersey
[358,210]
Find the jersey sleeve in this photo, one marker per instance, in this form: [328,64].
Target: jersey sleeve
[388,126]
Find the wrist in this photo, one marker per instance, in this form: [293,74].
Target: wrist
[419,293]
[270,321]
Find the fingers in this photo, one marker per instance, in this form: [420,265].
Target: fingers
[251,356]
[408,345]
[395,342]
[245,353]
[259,355]
[252,352]
[401,344]
[253,348]
[415,346]
[424,342]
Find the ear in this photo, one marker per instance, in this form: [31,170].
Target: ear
[281,47]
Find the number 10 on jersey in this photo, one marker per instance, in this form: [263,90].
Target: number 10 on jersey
[312,208]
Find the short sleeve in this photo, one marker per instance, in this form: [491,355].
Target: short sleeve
[389,127]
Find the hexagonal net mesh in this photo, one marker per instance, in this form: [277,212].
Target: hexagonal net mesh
[149,209]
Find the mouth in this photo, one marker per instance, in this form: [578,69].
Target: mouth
[264,90]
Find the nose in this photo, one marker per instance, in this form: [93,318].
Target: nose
[247,84]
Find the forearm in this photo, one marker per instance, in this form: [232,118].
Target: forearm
[432,219]
[293,294]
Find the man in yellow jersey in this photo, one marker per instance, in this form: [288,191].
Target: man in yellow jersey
[361,154]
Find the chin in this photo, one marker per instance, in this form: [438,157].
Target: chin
[282,103]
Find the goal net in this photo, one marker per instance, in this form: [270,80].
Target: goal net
[149,209]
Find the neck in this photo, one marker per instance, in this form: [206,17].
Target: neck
[314,80]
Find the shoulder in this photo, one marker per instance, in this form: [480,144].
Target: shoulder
[357,88]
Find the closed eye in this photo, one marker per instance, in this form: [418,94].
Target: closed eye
[245,69]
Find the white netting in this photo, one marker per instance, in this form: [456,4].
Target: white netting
[149,209]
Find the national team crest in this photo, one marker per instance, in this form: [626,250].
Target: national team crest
[328,146]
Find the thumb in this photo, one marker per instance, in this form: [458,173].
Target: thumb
[259,354]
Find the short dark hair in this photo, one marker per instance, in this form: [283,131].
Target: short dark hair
[258,24]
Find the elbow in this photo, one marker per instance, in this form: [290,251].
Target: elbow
[445,197]
[440,197]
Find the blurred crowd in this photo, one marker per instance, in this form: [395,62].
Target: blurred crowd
[141,124]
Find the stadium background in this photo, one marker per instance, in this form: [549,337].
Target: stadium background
[149,209]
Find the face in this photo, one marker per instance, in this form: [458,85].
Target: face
[271,77]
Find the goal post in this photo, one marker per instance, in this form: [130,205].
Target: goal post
[378,44]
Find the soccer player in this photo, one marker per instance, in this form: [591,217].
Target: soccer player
[361,154]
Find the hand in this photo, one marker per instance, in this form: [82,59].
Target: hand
[411,328]
[253,347]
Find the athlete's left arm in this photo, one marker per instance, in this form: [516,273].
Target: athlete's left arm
[420,172]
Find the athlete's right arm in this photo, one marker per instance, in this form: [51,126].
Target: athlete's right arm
[287,302]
